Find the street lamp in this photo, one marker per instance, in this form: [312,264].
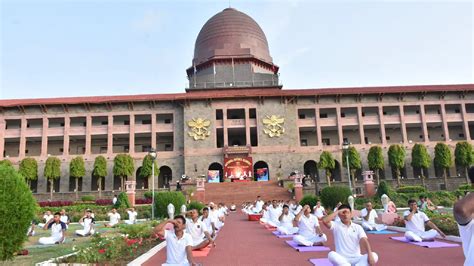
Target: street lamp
[345,148]
[152,154]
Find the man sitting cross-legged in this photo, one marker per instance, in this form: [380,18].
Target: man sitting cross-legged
[415,221]
[198,231]
[88,222]
[179,244]
[58,229]
[286,222]
[114,217]
[274,212]
[309,232]
[348,237]
[368,215]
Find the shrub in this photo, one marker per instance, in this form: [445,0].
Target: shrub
[136,230]
[103,202]
[309,199]
[411,189]
[122,201]
[384,188]
[142,201]
[88,198]
[445,222]
[56,203]
[467,187]
[148,195]
[195,205]
[359,203]
[17,209]
[162,199]
[330,196]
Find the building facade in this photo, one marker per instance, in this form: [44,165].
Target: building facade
[234,107]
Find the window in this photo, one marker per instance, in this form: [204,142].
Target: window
[323,115]
[461,135]
[326,142]
[104,123]
[302,116]
[168,147]
[167,121]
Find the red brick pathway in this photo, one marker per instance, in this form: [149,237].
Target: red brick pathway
[248,243]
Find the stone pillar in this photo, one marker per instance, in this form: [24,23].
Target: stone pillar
[224,127]
[44,137]
[110,135]
[402,124]
[131,148]
[444,122]
[369,183]
[361,124]
[382,125]
[22,148]
[318,127]
[298,187]
[154,129]
[423,123]
[2,136]
[88,135]
[247,127]
[339,126]
[67,125]
[465,122]
[130,188]
[200,194]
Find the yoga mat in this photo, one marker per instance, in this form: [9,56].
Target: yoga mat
[383,232]
[279,235]
[271,228]
[320,262]
[294,245]
[202,253]
[428,244]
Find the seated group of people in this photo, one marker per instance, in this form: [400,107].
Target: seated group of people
[59,223]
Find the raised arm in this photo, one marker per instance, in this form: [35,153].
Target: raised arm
[298,216]
[160,228]
[328,219]
[364,242]
[409,216]
[464,209]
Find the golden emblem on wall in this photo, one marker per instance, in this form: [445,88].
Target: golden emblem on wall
[274,125]
[199,128]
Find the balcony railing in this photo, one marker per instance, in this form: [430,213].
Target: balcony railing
[236,84]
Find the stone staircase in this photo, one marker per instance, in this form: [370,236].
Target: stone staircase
[239,192]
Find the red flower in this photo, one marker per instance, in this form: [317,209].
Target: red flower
[101,251]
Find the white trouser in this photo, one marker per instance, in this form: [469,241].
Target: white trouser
[287,230]
[130,221]
[309,240]
[273,223]
[49,240]
[357,260]
[263,220]
[373,226]
[420,236]
[84,232]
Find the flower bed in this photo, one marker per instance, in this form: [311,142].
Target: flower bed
[57,203]
[143,201]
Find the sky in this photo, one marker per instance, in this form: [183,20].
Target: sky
[63,48]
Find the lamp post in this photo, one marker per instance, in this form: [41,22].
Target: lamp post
[345,148]
[152,154]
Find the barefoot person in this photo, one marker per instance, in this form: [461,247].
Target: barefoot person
[88,225]
[348,237]
[198,231]
[464,214]
[368,219]
[286,222]
[415,221]
[57,231]
[309,232]
[179,244]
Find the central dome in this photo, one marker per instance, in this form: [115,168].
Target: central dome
[231,34]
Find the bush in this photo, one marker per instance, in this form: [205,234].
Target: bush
[122,201]
[330,196]
[359,203]
[88,198]
[384,188]
[136,230]
[17,209]
[465,187]
[445,222]
[162,199]
[148,194]
[309,199]
[411,189]
[195,205]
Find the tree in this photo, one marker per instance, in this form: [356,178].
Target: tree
[100,171]
[420,158]
[6,162]
[327,162]
[146,168]
[29,170]
[123,167]
[464,156]
[18,208]
[355,163]
[77,169]
[376,161]
[443,160]
[52,171]
[396,159]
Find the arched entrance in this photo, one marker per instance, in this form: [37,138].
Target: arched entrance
[336,172]
[142,181]
[217,167]
[165,177]
[311,170]
[261,171]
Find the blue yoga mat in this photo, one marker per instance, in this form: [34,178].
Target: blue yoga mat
[383,232]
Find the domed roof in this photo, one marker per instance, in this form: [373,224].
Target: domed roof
[231,33]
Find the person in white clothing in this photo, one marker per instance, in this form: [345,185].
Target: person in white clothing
[309,232]
[132,216]
[348,237]
[179,244]
[415,221]
[114,217]
[57,231]
[295,208]
[65,218]
[274,213]
[258,205]
[319,210]
[198,231]
[368,215]
[265,214]
[88,225]
[337,219]
[206,219]
[464,214]
[46,218]
[114,200]
[286,222]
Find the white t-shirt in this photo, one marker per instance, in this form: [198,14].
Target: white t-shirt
[57,230]
[274,213]
[207,222]
[176,248]
[87,223]
[319,211]
[417,222]
[132,216]
[372,215]
[296,209]
[347,238]
[306,225]
[287,220]
[114,218]
[258,205]
[196,230]
[466,232]
[64,219]
[266,215]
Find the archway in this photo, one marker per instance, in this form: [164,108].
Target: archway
[261,171]
[165,177]
[336,172]
[311,170]
[217,167]
[95,184]
[142,181]
[72,184]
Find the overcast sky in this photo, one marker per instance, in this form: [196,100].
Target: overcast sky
[86,48]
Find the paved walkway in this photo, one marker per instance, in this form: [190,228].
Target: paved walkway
[248,243]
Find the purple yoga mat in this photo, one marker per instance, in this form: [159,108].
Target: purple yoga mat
[279,235]
[294,245]
[428,244]
[320,262]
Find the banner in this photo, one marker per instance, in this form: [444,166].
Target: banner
[213,176]
[239,168]
[262,174]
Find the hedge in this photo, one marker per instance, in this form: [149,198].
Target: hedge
[310,200]
[88,198]
[330,196]
[411,189]
[162,199]
[195,205]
